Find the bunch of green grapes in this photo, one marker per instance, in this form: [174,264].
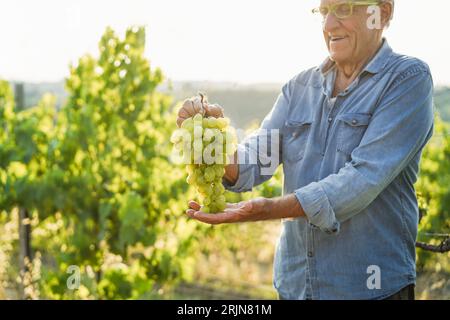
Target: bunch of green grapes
[208,145]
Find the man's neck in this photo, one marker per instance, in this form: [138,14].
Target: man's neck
[346,73]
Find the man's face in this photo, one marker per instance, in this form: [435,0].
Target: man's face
[348,39]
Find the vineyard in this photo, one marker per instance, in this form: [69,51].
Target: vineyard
[92,207]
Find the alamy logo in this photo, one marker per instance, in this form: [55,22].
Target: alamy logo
[374,21]
[374,280]
[73,281]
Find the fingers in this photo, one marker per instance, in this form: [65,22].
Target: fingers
[217,218]
[190,213]
[183,113]
[197,207]
[186,111]
[188,108]
[194,205]
[180,121]
[229,216]
[198,106]
[214,110]
[195,105]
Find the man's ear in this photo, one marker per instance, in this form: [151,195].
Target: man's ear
[387,9]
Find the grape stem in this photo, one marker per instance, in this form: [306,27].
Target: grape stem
[203,99]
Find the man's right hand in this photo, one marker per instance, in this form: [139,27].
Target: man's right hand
[195,105]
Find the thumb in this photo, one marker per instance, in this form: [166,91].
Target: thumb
[246,205]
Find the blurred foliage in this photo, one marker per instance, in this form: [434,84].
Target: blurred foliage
[442,102]
[433,189]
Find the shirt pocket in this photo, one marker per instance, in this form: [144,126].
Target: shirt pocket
[295,138]
[350,130]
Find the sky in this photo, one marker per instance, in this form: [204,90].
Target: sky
[243,41]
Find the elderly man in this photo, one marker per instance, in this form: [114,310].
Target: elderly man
[352,132]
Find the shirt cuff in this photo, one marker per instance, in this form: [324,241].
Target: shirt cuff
[318,210]
[244,181]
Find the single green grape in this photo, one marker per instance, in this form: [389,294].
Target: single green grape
[220,199]
[210,174]
[200,178]
[222,123]
[176,137]
[220,206]
[212,122]
[198,118]
[219,170]
[188,125]
[218,189]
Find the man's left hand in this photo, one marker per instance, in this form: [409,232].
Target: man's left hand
[251,210]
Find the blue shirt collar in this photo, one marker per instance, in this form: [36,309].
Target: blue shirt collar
[380,60]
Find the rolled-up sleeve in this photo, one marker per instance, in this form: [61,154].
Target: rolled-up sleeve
[317,207]
[399,129]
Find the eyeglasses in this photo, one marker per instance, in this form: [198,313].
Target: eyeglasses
[342,10]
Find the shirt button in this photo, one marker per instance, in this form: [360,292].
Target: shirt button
[354,121]
[330,119]
[310,254]
[294,134]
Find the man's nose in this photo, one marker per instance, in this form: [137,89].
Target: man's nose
[330,22]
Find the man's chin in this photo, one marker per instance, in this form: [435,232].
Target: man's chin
[336,57]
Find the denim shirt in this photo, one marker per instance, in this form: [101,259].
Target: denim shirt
[352,163]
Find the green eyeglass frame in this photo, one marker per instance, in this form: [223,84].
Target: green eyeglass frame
[342,10]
